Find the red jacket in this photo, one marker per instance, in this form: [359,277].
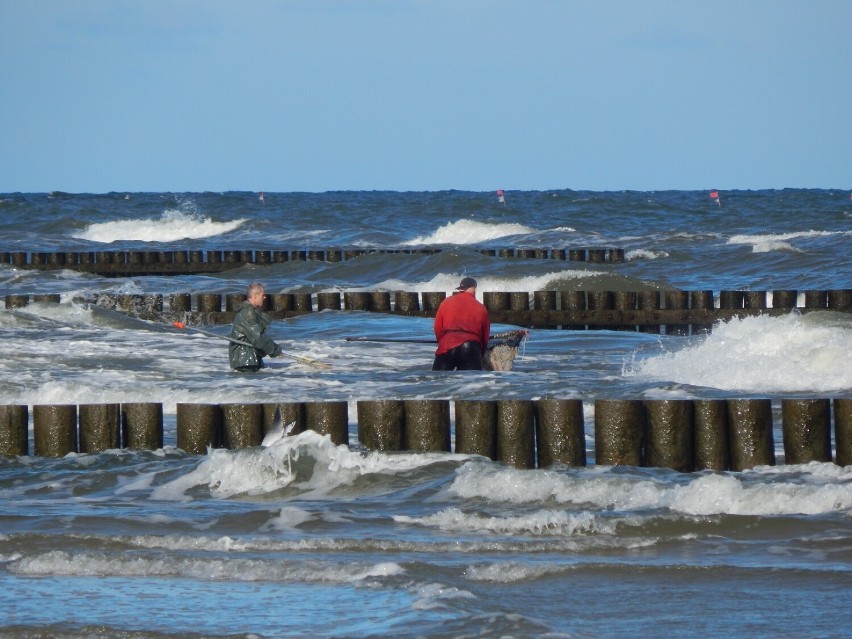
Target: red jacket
[461,318]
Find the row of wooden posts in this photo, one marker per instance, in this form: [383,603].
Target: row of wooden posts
[187,261]
[647,311]
[683,435]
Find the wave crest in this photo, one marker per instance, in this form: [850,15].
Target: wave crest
[171,226]
[470,232]
[806,353]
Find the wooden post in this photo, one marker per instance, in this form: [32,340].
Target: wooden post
[381,423]
[560,432]
[427,425]
[619,432]
[13,431]
[516,432]
[750,433]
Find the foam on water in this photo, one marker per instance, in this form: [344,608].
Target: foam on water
[764,243]
[434,595]
[644,254]
[449,281]
[466,231]
[799,492]
[170,227]
[541,522]
[511,572]
[66,313]
[805,353]
[309,461]
[59,562]
[808,489]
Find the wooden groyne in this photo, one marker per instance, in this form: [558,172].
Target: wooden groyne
[187,262]
[673,312]
[683,435]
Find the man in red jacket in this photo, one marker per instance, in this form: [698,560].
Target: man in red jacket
[462,328]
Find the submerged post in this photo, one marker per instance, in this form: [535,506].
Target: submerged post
[356,301]
[806,429]
[711,434]
[427,425]
[328,300]
[516,432]
[329,418]
[99,427]
[649,301]
[843,430]
[430,301]
[13,431]
[380,424]
[476,427]
[55,429]
[676,301]
[380,301]
[560,432]
[750,433]
[209,302]
[199,426]
[242,425]
[671,434]
[619,432]
[406,302]
[142,425]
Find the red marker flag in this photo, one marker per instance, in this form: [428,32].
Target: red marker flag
[715,196]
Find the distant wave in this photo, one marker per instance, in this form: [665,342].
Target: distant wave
[170,227]
[807,353]
[764,243]
[642,254]
[448,281]
[470,232]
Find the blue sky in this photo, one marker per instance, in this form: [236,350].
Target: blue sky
[316,95]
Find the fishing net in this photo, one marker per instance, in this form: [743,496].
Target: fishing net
[502,349]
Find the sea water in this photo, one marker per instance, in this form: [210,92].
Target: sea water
[304,538]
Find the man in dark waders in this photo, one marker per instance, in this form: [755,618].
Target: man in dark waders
[462,327]
[250,324]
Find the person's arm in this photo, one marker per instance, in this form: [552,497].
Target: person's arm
[253,329]
[439,323]
[485,331]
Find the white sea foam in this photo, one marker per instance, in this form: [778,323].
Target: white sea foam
[470,232]
[434,595]
[542,522]
[737,495]
[644,254]
[806,353]
[60,562]
[808,489]
[171,226]
[764,243]
[308,461]
[448,281]
[289,518]
[562,229]
[511,572]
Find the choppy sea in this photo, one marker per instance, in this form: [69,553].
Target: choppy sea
[308,539]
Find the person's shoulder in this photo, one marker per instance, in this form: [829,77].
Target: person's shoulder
[248,312]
